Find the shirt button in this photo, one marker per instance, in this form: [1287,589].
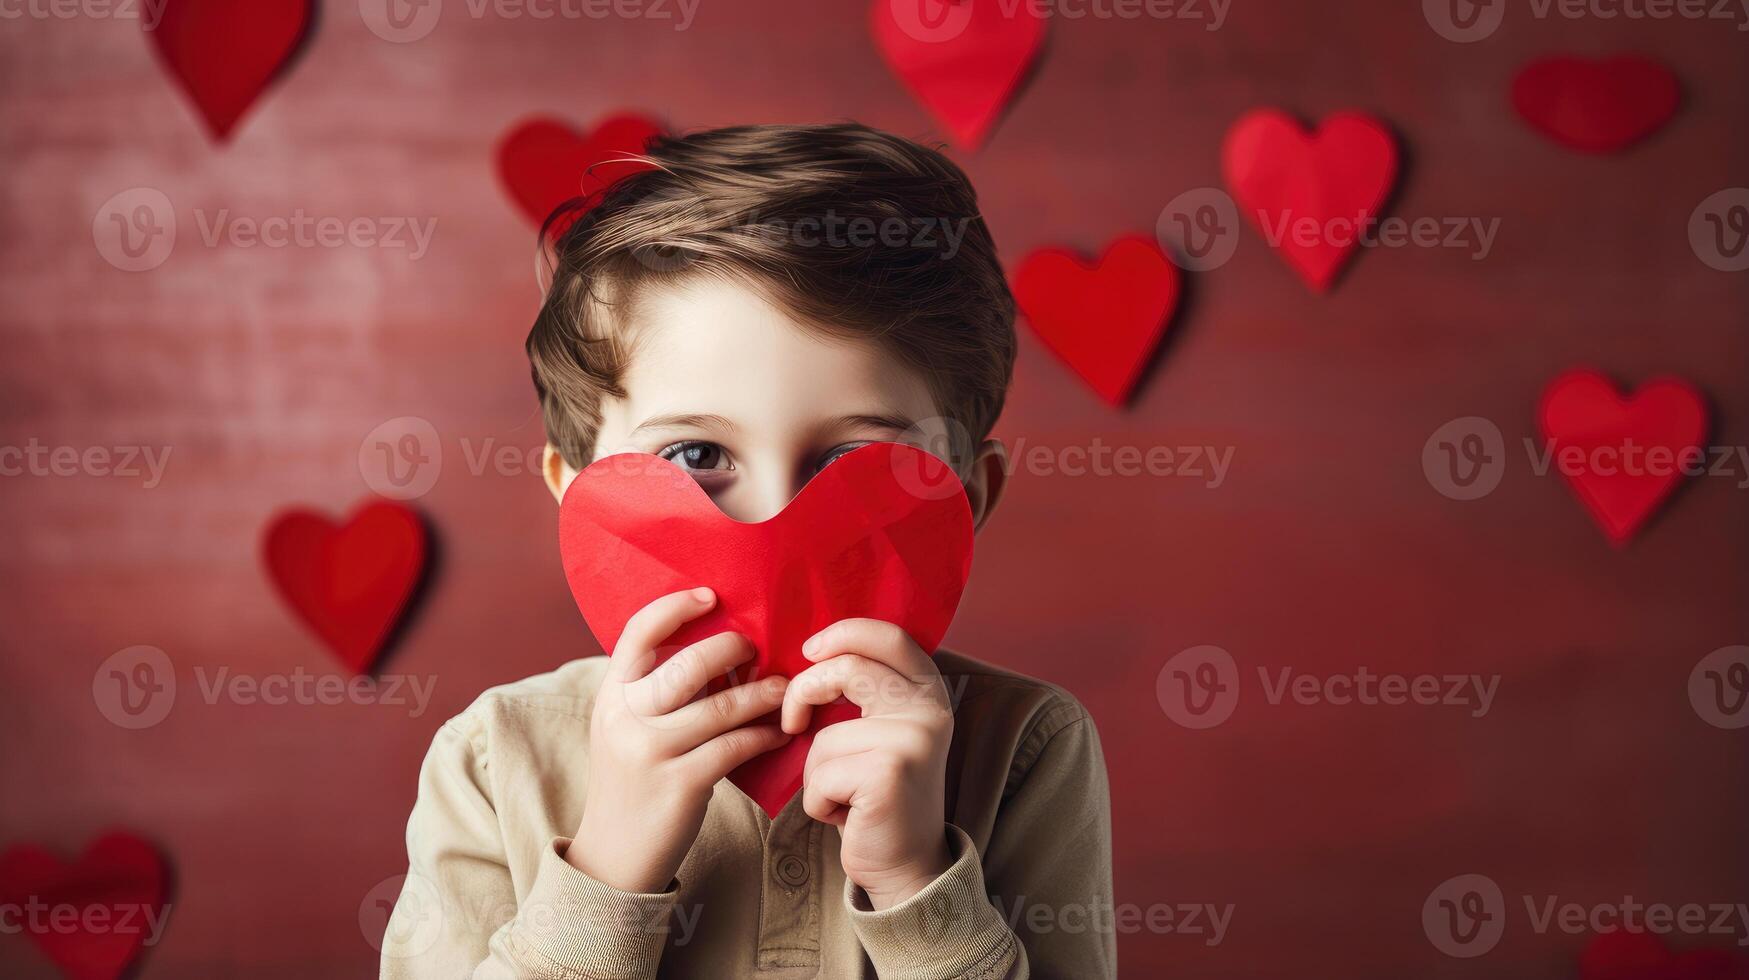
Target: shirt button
[792,871]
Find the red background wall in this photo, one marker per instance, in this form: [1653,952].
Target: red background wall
[1325,549]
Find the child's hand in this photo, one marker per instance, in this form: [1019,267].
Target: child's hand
[655,752]
[879,778]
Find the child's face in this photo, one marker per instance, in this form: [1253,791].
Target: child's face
[752,404]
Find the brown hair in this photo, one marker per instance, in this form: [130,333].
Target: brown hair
[759,202]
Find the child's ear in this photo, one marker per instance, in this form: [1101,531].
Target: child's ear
[557,473]
[986,479]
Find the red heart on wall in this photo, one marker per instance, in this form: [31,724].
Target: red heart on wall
[1583,417]
[349,582]
[1102,320]
[544,162]
[225,53]
[964,60]
[1310,193]
[1624,955]
[114,897]
[884,532]
[1596,106]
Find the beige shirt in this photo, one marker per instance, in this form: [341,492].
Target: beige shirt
[489,895]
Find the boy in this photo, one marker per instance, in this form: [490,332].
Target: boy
[762,301]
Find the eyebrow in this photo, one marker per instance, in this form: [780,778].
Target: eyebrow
[897,423]
[685,421]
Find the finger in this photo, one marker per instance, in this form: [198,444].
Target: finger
[635,653]
[718,757]
[871,686]
[707,718]
[827,794]
[876,640]
[683,675]
[861,735]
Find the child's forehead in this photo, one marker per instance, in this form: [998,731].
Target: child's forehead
[712,339]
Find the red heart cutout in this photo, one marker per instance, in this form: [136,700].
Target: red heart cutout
[117,889]
[544,162]
[1310,192]
[884,531]
[1624,955]
[1581,412]
[964,60]
[351,582]
[1596,106]
[1102,320]
[225,53]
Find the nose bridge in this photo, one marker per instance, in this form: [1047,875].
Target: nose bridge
[774,482]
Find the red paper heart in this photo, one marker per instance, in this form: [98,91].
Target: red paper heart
[112,899]
[1582,409]
[1624,955]
[224,53]
[544,162]
[1310,193]
[1102,320]
[883,532]
[351,582]
[1596,106]
[964,60]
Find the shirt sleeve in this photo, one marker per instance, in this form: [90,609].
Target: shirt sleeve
[1050,852]
[458,915]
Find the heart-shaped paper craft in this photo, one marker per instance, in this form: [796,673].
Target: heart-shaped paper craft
[350,582]
[1102,320]
[1311,194]
[1627,955]
[544,162]
[883,532]
[101,909]
[1599,442]
[964,60]
[225,53]
[1596,106]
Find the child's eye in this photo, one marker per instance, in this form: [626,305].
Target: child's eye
[837,451]
[695,455]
